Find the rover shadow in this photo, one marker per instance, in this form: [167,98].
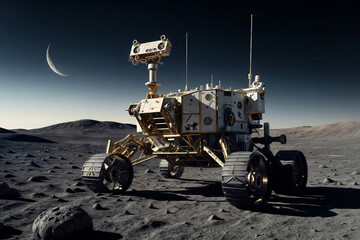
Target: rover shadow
[315,202]
[206,189]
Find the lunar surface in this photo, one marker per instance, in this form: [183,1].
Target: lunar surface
[44,166]
[51,64]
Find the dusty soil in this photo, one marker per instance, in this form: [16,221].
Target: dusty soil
[158,208]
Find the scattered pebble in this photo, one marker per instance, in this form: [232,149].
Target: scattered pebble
[51,171]
[11,152]
[9,176]
[69,190]
[214,217]
[75,167]
[148,171]
[44,160]
[38,195]
[33,164]
[151,206]
[61,200]
[355,173]
[79,155]
[322,166]
[7,162]
[61,158]
[126,212]
[28,155]
[51,157]
[339,183]
[37,179]
[353,183]
[97,206]
[78,184]
[328,180]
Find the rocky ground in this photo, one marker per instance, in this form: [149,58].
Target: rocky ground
[46,171]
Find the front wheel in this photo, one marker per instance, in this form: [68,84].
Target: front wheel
[246,179]
[108,173]
[168,170]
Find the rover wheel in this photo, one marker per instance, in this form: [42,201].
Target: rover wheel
[246,179]
[292,176]
[170,171]
[108,173]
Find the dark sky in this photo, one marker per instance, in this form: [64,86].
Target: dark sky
[307,55]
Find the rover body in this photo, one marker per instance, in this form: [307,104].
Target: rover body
[208,126]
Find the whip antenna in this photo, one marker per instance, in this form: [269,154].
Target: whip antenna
[251,33]
[186,64]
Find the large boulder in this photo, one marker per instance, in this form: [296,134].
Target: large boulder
[7,192]
[64,222]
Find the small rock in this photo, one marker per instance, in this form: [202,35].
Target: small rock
[37,179]
[38,195]
[62,223]
[28,155]
[322,166]
[339,183]
[99,194]
[69,190]
[44,160]
[61,158]
[355,173]
[222,210]
[151,206]
[9,176]
[167,211]
[7,162]
[11,152]
[126,212]
[75,167]
[51,171]
[54,196]
[148,171]
[61,200]
[328,180]
[56,167]
[353,183]
[79,155]
[51,157]
[78,184]
[78,190]
[33,164]
[7,192]
[214,217]
[97,206]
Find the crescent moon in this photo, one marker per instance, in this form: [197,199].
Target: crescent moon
[51,64]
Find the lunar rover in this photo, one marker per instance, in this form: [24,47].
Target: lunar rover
[203,127]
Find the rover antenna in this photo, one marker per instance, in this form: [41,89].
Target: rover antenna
[186,63]
[251,33]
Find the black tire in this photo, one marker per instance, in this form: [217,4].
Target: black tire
[246,180]
[292,176]
[169,171]
[108,173]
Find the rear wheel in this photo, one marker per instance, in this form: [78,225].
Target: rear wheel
[292,176]
[170,171]
[246,179]
[108,173]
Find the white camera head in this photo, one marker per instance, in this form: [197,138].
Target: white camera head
[150,52]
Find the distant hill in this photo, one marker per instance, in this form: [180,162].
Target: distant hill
[339,130]
[3,130]
[87,124]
